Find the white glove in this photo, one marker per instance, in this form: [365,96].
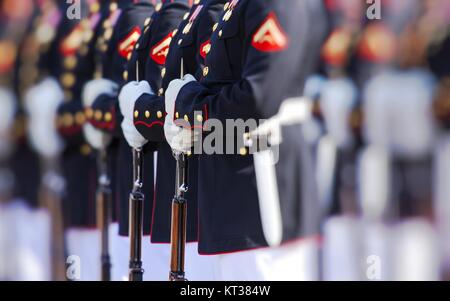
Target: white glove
[93,89]
[7,109]
[96,138]
[174,88]
[130,94]
[180,139]
[41,104]
[133,137]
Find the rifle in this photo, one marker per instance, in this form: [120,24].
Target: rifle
[136,212]
[179,215]
[50,195]
[179,218]
[136,218]
[104,214]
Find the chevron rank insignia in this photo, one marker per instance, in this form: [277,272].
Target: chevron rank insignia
[159,52]
[205,48]
[270,37]
[379,44]
[70,45]
[126,46]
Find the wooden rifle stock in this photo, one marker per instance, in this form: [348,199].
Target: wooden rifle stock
[104,215]
[50,196]
[179,221]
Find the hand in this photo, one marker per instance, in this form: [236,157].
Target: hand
[133,137]
[95,88]
[180,139]
[96,138]
[41,104]
[130,94]
[173,90]
[91,91]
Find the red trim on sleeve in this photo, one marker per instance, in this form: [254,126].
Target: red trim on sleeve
[149,125]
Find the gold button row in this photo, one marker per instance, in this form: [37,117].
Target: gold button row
[69,120]
[147,114]
[98,115]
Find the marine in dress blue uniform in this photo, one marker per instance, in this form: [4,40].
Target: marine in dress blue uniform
[33,64]
[76,49]
[30,68]
[195,31]
[123,30]
[151,52]
[252,45]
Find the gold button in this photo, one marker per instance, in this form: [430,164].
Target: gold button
[70,62]
[177,115]
[125,75]
[215,27]
[186,15]
[227,16]
[159,114]
[207,48]
[147,114]
[108,34]
[68,80]
[163,72]
[146,29]
[180,41]
[158,7]
[187,28]
[196,2]
[186,118]
[88,35]
[94,7]
[137,46]
[108,117]
[147,22]
[199,118]
[205,71]
[113,6]
[68,120]
[225,7]
[106,24]
[98,115]
[80,118]
[161,92]
[243,151]
[136,114]
[220,33]
[85,150]
[89,113]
